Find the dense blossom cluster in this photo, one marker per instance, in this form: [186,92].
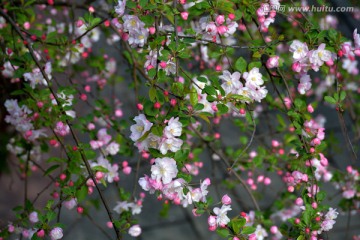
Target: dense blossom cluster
[184,51]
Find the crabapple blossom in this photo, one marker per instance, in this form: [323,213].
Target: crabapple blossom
[170,144]
[140,128]
[164,169]
[120,8]
[221,215]
[173,128]
[135,230]
[231,82]
[56,233]
[298,49]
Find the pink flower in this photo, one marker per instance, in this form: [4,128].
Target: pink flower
[135,230]
[56,233]
[62,129]
[184,15]
[226,200]
[273,62]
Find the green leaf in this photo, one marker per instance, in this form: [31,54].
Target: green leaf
[301,237]
[152,73]
[51,169]
[254,64]
[210,90]
[222,232]
[152,94]
[100,169]
[240,64]
[342,95]
[222,108]
[330,99]
[248,230]
[82,193]
[193,97]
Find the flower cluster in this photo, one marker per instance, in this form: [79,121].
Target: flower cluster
[304,60]
[20,119]
[252,89]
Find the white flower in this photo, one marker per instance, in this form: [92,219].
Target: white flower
[8,71]
[132,22]
[138,37]
[112,169]
[120,8]
[152,141]
[70,204]
[173,129]
[356,39]
[170,144]
[331,214]
[253,77]
[135,230]
[122,206]
[260,232]
[33,217]
[140,128]
[135,208]
[221,218]
[305,84]
[230,81]
[112,148]
[164,169]
[56,233]
[298,49]
[319,56]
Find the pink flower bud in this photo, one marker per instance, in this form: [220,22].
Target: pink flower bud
[163,64]
[184,15]
[316,141]
[40,104]
[330,62]
[290,188]
[220,19]
[297,221]
[173,102]
[212,221]
[139,106]
[222,30]
[231,16]
[273,229]
[267,181]
[99,175]
[299,201]
[310,108]
[118,113]
[91,126]
[152,30]
[218,68]
[357,52]
[80,210]
[157,105]
[127,170]
[91,9]
[62,176]
[214,108]
[194,213]
[40,233]
[79,23]
[226,200]
[275,143]
[27,25]
[296,67]
[273,62]
[272,13]
[314,205]
[109,224]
